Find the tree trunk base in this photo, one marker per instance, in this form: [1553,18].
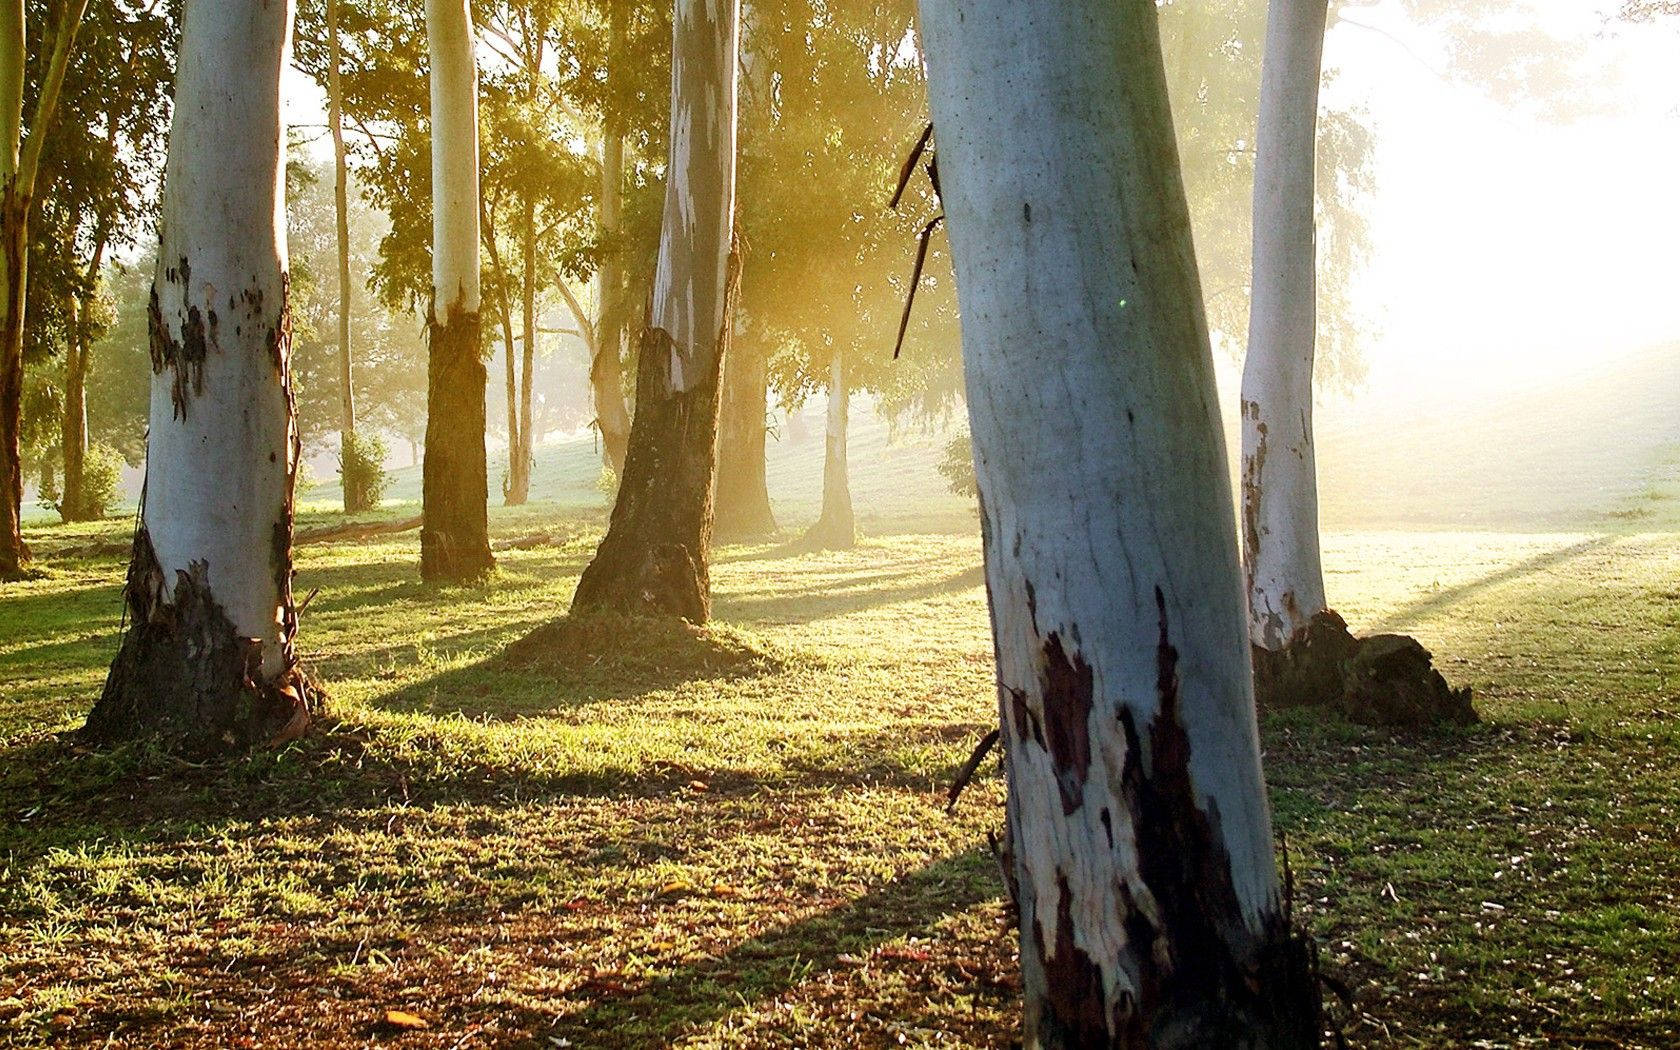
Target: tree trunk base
[832,532]
[1385,679]
[653,559]
[14,563]
[455,537]
[743,520]
[185,677]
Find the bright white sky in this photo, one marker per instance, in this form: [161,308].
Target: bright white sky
[1504,250]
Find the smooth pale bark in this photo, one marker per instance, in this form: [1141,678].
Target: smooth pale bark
[354,500]
[743,493]
[208,658]
[20,161]
[1281,558]
[455,536]
[606,382]
[835,527]
[519,478]
[1139,837]
[654,558]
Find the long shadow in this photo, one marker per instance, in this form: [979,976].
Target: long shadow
[701,992]
[1439,600]
[54,795]
[824,603]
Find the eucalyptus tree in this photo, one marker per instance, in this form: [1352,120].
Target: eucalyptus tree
[1139,839]
[20,159]
[455,530]
[656,553]
[832,98]
[835,527]
[1284,570]
[94,196]
[353,452]
[208,659]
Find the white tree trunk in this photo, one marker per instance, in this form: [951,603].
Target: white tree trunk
[612,417]
[341,209]
[1279,478]
[1139,830]
[695,240]
[836,527]
[454,90]
[209,590]
[454,538]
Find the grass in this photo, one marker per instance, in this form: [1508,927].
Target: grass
[736,839]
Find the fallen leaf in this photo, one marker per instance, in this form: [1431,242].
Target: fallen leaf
[402,1019]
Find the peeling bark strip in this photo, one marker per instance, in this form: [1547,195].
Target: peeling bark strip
[1139,838]
[455,493]
[185,674]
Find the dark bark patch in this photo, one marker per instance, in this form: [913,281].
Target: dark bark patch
[185,676]
[1204,977]
[1074,1008]
[184,357]
[1024,719]
[455,486]
[1067,694]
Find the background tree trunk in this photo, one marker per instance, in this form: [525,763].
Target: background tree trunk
[606,381]
[19,162]
[743,495]
[835,527]
[355,499]
[519,477]
[1284,571]
[455,536]
[208,660]
[73,433]
[1138,829]
[655,555]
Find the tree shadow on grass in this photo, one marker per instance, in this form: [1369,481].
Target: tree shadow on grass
[1446,597]
[709,989]
[825,602]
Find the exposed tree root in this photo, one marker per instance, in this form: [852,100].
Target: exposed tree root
[1385,679]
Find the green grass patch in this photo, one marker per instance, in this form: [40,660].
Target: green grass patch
[643,836]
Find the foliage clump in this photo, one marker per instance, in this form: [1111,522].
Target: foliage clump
[956,466]
[101,478]
[361,466]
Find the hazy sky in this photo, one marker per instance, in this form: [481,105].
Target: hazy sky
[1505,250]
